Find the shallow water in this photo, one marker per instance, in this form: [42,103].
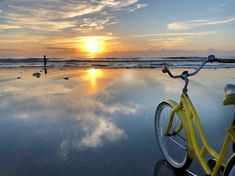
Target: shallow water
[99,122]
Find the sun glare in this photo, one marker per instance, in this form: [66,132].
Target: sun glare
[92,44]
[92,75]
[93,47]
[93,72]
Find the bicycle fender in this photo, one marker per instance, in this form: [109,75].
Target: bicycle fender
[182,116]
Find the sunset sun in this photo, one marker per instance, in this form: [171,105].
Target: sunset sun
[92,44]
[93,47]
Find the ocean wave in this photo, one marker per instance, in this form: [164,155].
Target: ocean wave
[112,63]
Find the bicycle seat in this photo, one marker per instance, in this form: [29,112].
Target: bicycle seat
[229,97]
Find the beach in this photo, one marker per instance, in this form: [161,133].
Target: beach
[80,82]
[98,121]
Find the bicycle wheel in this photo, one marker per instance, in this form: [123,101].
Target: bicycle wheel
[230,168]
[174,145]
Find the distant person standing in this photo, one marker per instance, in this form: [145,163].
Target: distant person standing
[45,61]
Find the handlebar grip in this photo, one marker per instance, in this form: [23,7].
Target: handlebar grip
[225,60]
[211,58]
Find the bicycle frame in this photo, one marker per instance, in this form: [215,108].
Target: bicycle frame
[191,123]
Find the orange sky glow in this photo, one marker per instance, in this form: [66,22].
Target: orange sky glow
[116,28]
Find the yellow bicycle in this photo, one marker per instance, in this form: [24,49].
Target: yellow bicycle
[177,128]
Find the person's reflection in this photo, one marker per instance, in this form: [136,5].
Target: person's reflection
[164,169]
[45,70]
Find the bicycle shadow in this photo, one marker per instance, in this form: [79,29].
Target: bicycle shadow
[162,168]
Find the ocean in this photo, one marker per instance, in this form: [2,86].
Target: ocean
[111,63]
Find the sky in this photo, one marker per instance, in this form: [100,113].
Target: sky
[116,28]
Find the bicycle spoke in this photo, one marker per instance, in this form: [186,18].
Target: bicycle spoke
[177,143]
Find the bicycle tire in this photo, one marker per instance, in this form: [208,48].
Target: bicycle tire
[230,168]
[175,155]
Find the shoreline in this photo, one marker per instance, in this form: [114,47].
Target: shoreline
[115,63]
[116,68]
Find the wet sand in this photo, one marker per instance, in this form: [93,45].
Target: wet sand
[97,122]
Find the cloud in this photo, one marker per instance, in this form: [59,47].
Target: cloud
[95,124]
[91,134]
[58,15]
[35,21]
[97,24]
[59,22]
[98,6]
[82,10]
[138,6]
[90,119]
[7,49]
[184,25]
[60,48]
[9,26]
[172,40]
[176,34]
[104,129]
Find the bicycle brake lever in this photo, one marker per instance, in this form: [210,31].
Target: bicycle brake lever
[165,69]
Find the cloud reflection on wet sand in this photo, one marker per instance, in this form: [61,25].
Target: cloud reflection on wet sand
[92,116]
[104,117]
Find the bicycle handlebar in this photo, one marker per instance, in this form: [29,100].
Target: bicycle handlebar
[225,60]
[166,70]
[185,74]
